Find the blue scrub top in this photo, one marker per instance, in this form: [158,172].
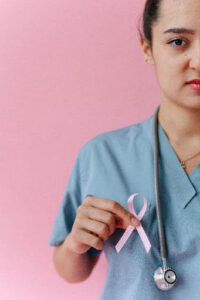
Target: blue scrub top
[116,164]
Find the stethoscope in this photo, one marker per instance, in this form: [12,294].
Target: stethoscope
[164,276]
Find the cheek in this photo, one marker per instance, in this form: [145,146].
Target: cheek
[165,75]
[170,83]
[169,73]
[170,67]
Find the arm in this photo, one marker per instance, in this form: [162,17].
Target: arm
[71,266]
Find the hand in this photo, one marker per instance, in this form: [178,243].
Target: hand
[96,219]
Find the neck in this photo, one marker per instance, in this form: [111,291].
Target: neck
[181,125]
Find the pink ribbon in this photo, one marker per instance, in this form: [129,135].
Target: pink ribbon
[139,228]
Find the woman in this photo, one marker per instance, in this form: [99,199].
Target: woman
[113,165]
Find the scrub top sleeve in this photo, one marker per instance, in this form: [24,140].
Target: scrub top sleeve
[72,199]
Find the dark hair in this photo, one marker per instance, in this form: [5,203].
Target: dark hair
[151,14]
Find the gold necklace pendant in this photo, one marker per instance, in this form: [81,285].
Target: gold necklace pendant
[183,164]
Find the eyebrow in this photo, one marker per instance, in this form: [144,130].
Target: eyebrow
[179,30]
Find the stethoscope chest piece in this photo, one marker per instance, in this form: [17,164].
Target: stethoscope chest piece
[164,279]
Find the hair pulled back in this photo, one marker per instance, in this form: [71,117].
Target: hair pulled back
[151,14]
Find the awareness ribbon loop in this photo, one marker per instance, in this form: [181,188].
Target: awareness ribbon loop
[139,228]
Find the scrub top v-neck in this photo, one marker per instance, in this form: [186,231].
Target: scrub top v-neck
[116,164]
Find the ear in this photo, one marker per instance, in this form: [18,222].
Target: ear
[146,50]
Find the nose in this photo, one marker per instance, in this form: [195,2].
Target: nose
[195,57]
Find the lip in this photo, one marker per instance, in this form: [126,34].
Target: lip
[194,81]
[195,87]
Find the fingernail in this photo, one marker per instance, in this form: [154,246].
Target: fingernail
[135,222]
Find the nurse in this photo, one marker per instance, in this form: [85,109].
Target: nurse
[113,165]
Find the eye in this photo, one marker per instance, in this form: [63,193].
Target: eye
[177,42]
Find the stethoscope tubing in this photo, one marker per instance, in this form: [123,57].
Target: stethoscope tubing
[162,239]
[164,276]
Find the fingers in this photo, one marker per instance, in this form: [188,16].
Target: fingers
[90,239]
[102,216]
[123,216]
[95,227]
[96,219]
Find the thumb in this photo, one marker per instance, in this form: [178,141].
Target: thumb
[124,218]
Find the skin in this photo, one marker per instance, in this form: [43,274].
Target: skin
[96,219]
[175,64]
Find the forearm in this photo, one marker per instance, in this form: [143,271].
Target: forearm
[71,266]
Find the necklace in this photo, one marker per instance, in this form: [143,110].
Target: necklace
[183,162]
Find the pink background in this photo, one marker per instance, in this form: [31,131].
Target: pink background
[69,70]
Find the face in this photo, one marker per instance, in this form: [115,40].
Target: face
[176,56]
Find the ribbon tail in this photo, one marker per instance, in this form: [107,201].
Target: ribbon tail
[124,238]
[144,238]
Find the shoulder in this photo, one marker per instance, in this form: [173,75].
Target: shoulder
[112,136]
[116,140]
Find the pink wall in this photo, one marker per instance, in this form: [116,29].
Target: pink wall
[69,70]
